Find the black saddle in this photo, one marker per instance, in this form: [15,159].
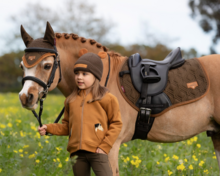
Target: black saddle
[149,78]
[158,71]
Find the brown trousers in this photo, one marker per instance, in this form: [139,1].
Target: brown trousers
[98,161]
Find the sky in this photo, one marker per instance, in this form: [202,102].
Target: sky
[168,21]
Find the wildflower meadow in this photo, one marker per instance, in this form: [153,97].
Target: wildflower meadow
[23,152]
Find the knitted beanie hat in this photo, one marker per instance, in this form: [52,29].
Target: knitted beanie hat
[90,62]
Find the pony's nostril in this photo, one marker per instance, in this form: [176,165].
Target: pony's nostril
[30,97]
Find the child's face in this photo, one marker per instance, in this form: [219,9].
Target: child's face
[84,79]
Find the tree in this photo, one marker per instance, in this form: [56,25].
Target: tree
[208,14]
[10,73]
[73,16]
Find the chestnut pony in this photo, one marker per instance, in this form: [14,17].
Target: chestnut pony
[193,118]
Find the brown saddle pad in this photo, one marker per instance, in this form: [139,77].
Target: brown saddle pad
[185,84]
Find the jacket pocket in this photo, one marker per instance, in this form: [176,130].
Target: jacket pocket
[89,134]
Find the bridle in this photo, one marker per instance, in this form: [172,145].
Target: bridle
[56,64]
[50,81]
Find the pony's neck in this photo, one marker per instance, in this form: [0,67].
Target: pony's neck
[68,46]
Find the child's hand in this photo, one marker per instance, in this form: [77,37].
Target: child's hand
[98,150]
[42,130]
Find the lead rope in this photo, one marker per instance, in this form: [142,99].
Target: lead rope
[61,113]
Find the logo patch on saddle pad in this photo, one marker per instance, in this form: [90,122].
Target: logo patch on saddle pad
[31,58]
[98,126]
[192,85]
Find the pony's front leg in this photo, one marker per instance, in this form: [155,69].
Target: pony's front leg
[216,143]
[113,157]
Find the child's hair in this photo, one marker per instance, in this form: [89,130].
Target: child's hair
[96,89]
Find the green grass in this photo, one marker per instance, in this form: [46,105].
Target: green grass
[24,152]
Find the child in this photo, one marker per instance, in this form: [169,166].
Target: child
[92,119]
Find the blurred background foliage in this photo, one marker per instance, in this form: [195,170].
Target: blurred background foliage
[80,18]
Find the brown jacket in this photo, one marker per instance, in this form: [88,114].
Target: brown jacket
[90,125]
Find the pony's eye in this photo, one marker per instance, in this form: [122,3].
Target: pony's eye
[21,66]
[47,67]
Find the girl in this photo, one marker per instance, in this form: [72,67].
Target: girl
[92,119]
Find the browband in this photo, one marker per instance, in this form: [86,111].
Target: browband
[37,49]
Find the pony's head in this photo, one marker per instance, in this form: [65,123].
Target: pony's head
[38,64]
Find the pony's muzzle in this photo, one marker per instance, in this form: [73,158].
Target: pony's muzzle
[28,101]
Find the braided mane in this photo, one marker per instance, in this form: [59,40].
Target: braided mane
[114,55]
[82,39]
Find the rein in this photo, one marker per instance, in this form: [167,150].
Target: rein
[50,81]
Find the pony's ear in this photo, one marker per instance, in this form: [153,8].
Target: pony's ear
[102,54]
[26,37]
[82,51]
[49,35]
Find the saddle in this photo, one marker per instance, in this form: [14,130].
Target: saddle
[154,73]
[149,78]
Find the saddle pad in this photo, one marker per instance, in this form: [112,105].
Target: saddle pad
[185,84]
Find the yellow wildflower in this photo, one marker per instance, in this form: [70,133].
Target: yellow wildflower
[33,128]
[54,160]
[67,159]
[31,156]
[167,159]
[214,157]
[2,133]
[158,162]
[47,141]
[22,134]
[125,145]
[58,148]
[58,159]
[201,163]
[181,167]
[175,157]
[60,165]
[159,147]
[194,157]
[20,150]
[190,167]
[8,146]
[170,172]
[37,161]
[15,151]
[19,121]
[2,125]
[195,138]
[165,155]
[189,142]
[206,171]
[9,124]
[198,145]
[0,170]
[26,146]
[35,152]
[135,157]
[22,155]
[37,135]
[46,137]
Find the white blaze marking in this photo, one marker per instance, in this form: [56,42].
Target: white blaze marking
[27,83]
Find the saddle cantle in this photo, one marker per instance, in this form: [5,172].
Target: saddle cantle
[157,77]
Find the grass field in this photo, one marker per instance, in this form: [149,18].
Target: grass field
[23,152]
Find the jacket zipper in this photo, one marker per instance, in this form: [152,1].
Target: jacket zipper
[82,104]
